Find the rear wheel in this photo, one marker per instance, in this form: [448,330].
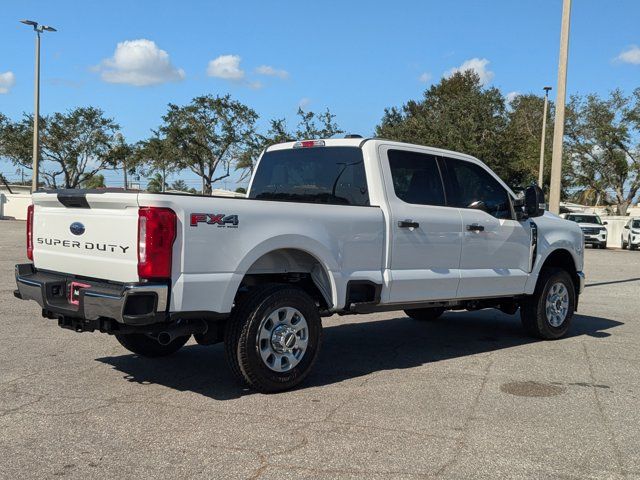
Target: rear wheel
[147,346]
[273,338]
[425,314]
[548,312]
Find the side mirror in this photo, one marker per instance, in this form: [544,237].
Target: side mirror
[626,226]
[605,223]
[534,204]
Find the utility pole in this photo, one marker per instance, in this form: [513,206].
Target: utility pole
[544,135]
[558,127]
[36,98]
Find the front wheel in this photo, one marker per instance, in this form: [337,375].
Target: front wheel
[624,244]
[548,312]
[273,338]
[147,346]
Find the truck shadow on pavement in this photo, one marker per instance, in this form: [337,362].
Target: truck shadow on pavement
[354,349]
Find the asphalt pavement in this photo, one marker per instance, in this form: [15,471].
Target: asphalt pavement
[470,396]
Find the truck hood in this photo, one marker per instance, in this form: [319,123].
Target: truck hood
[591,225]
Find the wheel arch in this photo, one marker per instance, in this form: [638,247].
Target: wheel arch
[559,258]
[282,257]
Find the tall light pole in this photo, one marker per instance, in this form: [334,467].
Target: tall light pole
[36,97]
[558,127]
[544,135]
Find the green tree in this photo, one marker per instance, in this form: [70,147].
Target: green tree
[96,181]
[209,134]
[457,114]
[602,141]
[156,183]
[156,156]
[310,126]
[74,146]
[522,139]
[181,186]
[122,156]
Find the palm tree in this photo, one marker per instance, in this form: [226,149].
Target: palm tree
[155,183]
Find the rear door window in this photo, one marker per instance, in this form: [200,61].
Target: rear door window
[330,175]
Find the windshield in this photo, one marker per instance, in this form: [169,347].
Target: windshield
[314,175]
[585,219]
[635,224]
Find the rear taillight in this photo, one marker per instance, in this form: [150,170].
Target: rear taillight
[30,232]
[156,234]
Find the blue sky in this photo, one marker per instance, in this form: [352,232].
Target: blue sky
[354,57]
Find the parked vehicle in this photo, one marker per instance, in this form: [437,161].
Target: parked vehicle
[631,234]
[342,226]
[594,230]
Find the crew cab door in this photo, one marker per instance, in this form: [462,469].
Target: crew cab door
[425,234]
[496,248]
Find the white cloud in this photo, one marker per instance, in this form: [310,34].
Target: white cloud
[256,85]
[226,67]
[140,63]
[478,65]
[272,72]
[511,96]
[630,55]
[424,77]
[7,81]
[304,102]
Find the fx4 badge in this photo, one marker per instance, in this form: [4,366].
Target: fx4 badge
[219,219]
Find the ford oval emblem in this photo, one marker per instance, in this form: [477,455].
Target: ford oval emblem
[77,228]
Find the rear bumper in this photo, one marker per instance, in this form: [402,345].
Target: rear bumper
[128,304]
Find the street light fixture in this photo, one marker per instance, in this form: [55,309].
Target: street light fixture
[36,94]
[544,133]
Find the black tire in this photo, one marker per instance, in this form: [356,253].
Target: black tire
[603,246]
[533,311]
[624,245]
[633,247]
[425,314]
[147,346]
[241,335]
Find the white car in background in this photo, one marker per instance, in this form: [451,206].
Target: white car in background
[593,229]
[631,234]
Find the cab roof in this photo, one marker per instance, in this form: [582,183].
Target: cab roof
[359,142]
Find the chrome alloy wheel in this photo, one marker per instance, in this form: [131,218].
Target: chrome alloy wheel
[282,339]
[557,304]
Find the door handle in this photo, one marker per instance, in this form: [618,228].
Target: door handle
[408,224]
[475,227]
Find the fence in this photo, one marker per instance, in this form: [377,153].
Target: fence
[615,225]
[14,205]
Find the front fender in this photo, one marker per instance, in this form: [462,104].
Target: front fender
[554,234]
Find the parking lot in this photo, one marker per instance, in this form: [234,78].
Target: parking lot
[469,396]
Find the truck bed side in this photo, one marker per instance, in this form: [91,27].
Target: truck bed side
[211,255]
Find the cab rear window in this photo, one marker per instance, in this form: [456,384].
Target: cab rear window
[329,175]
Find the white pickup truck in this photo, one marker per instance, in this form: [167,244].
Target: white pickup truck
[331,226]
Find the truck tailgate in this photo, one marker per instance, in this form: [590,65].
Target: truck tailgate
[87,234]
